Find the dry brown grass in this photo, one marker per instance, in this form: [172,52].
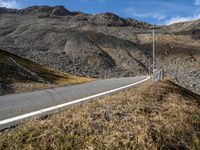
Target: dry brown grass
[151,116]
[16,78]
[48,74]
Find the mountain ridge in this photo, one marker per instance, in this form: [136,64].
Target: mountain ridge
[103,45]
[60,10]
[106,18]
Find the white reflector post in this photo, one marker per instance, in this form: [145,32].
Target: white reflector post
[157,75]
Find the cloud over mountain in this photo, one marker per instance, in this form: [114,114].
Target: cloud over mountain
[9,3]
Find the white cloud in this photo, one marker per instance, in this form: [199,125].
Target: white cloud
[197,2]
[133,13]
[9,3]
[181,19]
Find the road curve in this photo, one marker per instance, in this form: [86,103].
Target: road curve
[14,108]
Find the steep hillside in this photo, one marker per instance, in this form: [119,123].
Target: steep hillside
[191,28]
[57,41]
[184,26]
[19,75]
[152,116]
[178,56]
[101,45]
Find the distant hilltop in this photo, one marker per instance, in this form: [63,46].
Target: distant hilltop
[108,19]
[57,10]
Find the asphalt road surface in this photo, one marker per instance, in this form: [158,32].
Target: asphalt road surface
[17,107]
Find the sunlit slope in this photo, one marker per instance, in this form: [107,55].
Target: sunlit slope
[17,70]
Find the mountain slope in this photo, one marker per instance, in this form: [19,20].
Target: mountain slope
[191,28]
[18,74]
[185,26]
[102,45]
[53,41]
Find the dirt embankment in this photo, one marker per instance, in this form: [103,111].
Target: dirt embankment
[21,75]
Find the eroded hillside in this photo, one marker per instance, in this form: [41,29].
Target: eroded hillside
[102,45]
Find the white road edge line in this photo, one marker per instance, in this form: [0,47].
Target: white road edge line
[6,121]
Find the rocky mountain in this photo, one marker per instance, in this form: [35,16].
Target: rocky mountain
[101,45]
[58,10]
[185,28]
[107,19]
[53,40]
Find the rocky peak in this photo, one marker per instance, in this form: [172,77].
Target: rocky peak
[108,19]
[35,10]
[57,10]
[60,11]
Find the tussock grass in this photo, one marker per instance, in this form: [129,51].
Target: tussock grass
[151,116]
[46,73]
[19,80]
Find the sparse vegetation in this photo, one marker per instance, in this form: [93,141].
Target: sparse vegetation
[19,75]
[151,116]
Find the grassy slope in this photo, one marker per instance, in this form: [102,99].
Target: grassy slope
[10,73]
[151,116]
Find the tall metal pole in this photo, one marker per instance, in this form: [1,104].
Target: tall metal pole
[153,50]
[74,63]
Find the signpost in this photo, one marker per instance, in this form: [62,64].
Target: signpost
[157,73]
[153,49]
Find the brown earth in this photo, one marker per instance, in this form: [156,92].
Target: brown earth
[151,116]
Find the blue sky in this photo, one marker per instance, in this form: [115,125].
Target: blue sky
[152,11]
